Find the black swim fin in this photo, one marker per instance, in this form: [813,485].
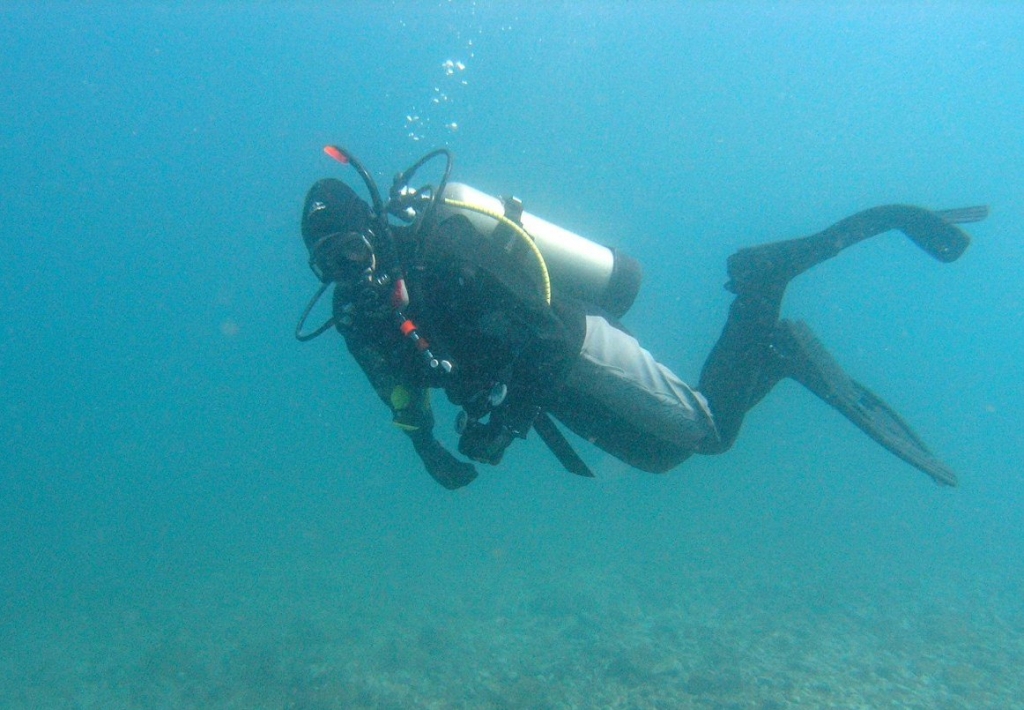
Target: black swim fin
[767,268]
[805,360]
[964,215]
[932,231]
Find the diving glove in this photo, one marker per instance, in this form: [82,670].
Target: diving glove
[440,464]
[485,442]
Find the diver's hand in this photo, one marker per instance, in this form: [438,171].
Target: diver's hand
[485,443]
[440,464]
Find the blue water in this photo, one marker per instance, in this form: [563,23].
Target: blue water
[198,511]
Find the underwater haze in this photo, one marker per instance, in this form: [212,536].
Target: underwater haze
[197,511]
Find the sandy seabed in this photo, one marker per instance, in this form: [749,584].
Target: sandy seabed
[306,636]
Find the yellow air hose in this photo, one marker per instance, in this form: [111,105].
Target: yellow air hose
[523,234]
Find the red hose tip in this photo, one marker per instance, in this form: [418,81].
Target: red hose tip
[335,153]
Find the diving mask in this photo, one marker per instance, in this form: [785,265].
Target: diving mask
[343,257]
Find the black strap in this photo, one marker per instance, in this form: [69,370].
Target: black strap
[513,208]
[504,236]
[560,446]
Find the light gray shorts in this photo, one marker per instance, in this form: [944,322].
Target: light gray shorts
[623,400]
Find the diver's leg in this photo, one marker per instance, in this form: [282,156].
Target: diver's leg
[743,365]
[741,368]
[773,265]
[740,372]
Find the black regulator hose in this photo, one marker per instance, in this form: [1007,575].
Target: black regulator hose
[403,178]
[390,255]
[346,158]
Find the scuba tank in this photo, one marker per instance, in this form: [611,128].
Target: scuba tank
[578,267]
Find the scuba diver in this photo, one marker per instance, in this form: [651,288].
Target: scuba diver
[517,320]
